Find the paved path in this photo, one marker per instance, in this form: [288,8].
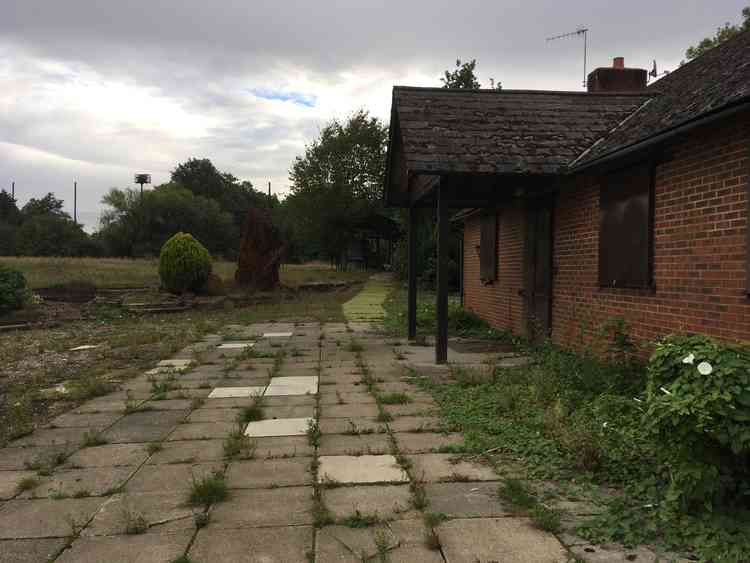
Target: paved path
[367,305]
[334,471]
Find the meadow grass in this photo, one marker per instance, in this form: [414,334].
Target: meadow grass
[41,271]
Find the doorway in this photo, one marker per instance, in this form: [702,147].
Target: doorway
[538,265]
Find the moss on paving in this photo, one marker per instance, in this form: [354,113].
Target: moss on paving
[367,305]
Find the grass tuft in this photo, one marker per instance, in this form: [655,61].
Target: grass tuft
[208,490]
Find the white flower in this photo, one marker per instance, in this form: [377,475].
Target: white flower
[604,424]
[665,391]
[704,368]
[689,359]
[637,400]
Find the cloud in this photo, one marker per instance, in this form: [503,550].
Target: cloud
[96,91]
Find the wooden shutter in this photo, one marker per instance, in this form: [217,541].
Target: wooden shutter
[626,228]
[488,246]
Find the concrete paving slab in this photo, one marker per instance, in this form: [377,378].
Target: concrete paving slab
[235,345]
[344,544]
[351,426]
[89,420]
[258,545]
[144,548]
[410,443]
[348,411]
[265,473]
[289,412]
[350,445]
[288,401]
[213,415]
[292,385]
[277,334]
[466,500]
[84,347]
[93,481]
[342,398]
[109,455]
[202,431]
[278,427]
[33,457]
[387,501]
[9,481]
[229,392]
[169,478]
[45,518]
[360,469]
[433,468]
[177,363]
[169,405]
[136,433]
[52,437]
[250,508]
[510,540]
[188,451]
[415,424]
[282,446]
[30,551]
[162,512]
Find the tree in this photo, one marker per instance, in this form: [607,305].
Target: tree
[727,31]
[47,205]
[336,184]
[462,77]
[52,234]
[9,212]
[234,196]
[131,227]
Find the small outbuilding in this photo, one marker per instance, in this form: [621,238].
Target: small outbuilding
[626,200]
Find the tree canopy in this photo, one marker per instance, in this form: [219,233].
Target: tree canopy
[727,31]
[336,185]
[464,77]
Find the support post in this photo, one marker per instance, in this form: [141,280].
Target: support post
[441,308]
[412,301]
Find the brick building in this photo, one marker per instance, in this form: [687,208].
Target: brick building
[624,201]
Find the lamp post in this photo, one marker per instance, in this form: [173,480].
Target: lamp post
[141,179]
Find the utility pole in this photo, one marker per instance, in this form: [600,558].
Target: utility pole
[269,189]
[75,203]
[13,190]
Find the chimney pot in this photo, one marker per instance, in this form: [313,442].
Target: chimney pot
[618,62]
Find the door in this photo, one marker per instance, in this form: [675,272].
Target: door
[538,290]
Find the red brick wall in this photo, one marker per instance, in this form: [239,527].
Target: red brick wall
[498,302]
[699,251]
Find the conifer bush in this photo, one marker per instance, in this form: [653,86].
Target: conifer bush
[184,264]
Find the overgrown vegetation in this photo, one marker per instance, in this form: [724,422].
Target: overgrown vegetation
[461,322]
[184,263]
[673,435]
[13,290]
[208,490]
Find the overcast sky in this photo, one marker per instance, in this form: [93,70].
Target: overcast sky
[96,90]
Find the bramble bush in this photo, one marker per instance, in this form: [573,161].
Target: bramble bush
[13,290]
[184,264]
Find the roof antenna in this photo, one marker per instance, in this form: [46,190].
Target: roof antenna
[654,73]
[578,32]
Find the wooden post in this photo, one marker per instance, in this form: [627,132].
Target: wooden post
[412,301]
[441,308]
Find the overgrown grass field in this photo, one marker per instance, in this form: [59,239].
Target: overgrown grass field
[144,272]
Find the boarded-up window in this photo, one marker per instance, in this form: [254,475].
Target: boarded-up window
[626,228]
[488,246]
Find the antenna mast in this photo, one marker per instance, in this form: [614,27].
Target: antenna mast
[581,31]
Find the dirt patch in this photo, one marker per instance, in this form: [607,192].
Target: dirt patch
[468,346]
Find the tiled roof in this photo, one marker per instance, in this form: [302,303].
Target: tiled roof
[544,132]
[710,82]
[503,131]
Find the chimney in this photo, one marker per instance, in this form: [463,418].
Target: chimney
[617,78]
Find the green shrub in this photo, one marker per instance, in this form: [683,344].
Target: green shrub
[698,407]
[13,290]
[184,264]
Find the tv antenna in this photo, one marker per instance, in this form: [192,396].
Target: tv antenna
[581,31]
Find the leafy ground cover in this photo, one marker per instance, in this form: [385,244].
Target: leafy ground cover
[37,360]
[662,446]
[144,272]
